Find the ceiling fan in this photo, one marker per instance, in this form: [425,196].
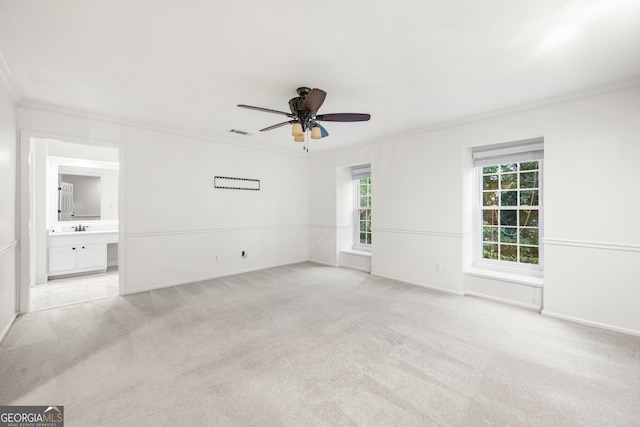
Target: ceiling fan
[303,115]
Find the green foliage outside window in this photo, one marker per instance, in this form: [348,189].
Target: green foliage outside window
[510,215]
[364,206]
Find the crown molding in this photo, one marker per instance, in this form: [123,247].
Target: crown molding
[6,77]
[32,104]
[577,95]
[503,112]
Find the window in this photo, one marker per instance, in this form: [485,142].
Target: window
[509,206]
[362,204]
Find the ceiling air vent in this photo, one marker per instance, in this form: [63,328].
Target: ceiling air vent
[241,132]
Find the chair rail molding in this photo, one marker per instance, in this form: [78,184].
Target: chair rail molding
[592,245]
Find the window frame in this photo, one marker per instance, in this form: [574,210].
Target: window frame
[511,154]
[360,173]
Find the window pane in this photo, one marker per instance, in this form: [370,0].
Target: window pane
[490,217]
[490,234]
[529,180]
[529,236]
[508,198]
[490,169]
[511,167]
[509,218]
[508,181]
[508,235]
[490,182]
[490,198]
[490,251]
[508,252]
[529,218]
[529,198]
[363,214]
[529,255]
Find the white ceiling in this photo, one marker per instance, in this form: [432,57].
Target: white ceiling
[413,64]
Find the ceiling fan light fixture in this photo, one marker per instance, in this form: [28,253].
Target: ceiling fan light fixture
[296,130]
[298,138]
[316,133]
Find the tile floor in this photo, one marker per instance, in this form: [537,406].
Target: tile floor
[72,290]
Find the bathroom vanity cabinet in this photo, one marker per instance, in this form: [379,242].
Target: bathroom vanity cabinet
[79,252]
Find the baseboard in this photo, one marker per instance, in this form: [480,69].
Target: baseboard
[323,263]
[202,279]
[503,300]
[351,267]
[422,285]
[590,323]
[5,331]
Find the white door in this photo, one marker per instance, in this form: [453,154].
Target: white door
[65,201]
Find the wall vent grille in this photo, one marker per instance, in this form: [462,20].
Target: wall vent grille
[230,183]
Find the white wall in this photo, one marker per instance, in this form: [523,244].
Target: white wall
[8,237]
[422,187]
[175,222]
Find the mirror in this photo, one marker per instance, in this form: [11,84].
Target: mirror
[81,190]
[79,197]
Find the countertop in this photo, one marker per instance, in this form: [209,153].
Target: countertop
[80,233]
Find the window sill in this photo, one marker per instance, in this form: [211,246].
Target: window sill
[359,252]
[520,279]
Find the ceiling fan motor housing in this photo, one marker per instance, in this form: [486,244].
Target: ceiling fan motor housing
[303,91]
[296,105]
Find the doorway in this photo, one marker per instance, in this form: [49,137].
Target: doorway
[74,250]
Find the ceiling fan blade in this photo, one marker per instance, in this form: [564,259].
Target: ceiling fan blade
[278,125]
[323,131]
[314,100]
[343,117]
[266,110]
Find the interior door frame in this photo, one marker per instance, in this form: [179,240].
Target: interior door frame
[27,210]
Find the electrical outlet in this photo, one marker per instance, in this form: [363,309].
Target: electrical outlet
[438,266]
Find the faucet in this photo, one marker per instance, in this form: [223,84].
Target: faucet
[80,228]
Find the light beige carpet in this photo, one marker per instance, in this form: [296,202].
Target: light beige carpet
[313,345]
